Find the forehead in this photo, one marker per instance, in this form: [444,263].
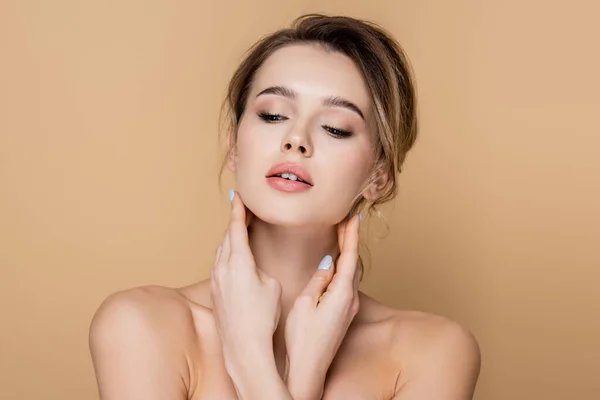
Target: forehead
[312,71]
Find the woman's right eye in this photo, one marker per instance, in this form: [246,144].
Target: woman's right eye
[268,117]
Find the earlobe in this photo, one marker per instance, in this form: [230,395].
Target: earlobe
[371,193]
[232,159]
[376,188]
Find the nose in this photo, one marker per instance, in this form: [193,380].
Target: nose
[296,141]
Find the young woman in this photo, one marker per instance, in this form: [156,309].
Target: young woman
[321,117]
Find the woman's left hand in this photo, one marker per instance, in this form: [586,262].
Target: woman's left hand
[321,315]
[246,302]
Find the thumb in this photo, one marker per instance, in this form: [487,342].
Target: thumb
[319,281]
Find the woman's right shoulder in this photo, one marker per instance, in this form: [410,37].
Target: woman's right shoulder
[150,307]
[140,333]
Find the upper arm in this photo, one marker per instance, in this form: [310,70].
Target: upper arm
[445,367]
[132,353]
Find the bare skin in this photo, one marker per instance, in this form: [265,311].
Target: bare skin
[268,324]
[386,354]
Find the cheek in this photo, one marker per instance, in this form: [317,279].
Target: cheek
[348,172]
[255,148]
[250,146]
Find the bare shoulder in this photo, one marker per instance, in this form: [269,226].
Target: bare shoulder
[151,307]
[437,356]
[140,340]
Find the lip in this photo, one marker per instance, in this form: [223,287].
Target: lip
[292,168]
[286,185]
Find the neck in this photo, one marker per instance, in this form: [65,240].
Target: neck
[290,254]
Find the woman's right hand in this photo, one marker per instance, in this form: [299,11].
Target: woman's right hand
[321,315]
[246,302]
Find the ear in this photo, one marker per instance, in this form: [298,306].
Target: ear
[377,185]
[231,151]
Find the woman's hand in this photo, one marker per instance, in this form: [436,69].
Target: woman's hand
[246,302]
[321,315]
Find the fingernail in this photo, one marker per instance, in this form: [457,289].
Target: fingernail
[231,195]
[350,215]
[326,263]
[360,217]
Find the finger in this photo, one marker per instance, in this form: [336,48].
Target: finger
[225,247]
[357,277]
[238,232]
[218,255]
[319,281]
[341,228]
[346,265]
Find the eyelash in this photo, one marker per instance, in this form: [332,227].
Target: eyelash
[335,132]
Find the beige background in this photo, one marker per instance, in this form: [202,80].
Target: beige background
[108,175]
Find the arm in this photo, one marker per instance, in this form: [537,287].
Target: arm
[132,353]
[255,375]
[258,378]
[246,308]
[444,367]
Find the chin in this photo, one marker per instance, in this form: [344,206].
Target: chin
[286,214]
[289,210]
[282,218]
[289,217]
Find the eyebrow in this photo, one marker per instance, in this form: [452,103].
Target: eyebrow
[329,101]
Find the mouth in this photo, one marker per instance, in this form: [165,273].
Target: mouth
[288,176]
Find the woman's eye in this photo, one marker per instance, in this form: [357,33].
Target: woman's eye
[335,132]
[268,117]
[339,133]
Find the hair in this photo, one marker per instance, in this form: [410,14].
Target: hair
[385,68]
[386,71]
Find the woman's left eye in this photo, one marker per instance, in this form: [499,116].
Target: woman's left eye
[339,133]
[274,118]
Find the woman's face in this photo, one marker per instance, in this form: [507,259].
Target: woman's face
[308,114]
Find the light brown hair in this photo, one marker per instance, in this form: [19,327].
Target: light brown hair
[385,68]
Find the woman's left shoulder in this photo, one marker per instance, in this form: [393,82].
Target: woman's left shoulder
[433,356]
[422,336]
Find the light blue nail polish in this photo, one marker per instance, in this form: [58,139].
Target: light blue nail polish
[326,263]
[231,195]
[360,217]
